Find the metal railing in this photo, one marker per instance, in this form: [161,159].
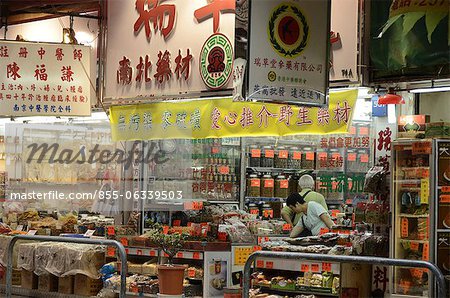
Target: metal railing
[440,280]
[118,245]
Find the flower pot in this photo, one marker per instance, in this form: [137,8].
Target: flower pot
[171,279]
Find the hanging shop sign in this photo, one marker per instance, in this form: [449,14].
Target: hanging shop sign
[288,56]
[378,110]
[166,49]
[344,41]
[41,79]
[227,118]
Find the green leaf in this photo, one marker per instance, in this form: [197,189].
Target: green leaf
[388,24]
[410,19]
[432,20]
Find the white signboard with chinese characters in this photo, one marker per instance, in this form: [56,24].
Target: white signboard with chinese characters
[344,41]
[167,49]
[42,79]
[288,59]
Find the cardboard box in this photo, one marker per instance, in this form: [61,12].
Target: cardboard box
[66,284]
[48,283]
[29,280]
[85,286]
[16,277]
[409,126]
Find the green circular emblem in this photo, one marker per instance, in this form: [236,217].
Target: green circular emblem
[216,61]
[272,76]
[288,30]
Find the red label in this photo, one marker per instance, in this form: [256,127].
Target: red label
[193,205]
[269,265]
[256,153]
[222,236]
[297,155]
[254,211]
[414,246]
[322,155]
[445,188]
[404,228]
[365,158]
[257,248]
[165,229]
[364,131]
[152,253]
[284,184]
[196,256]
[283,154]
[268,213]
[287,227]
[315,268]
[260,263]
[334,212]
[269,153]
[353,130]
[304,268]
[421,148]
[215,150]
[111,230]
[180,255]
[191,273]
[111,251]
[310,156]
[224,170]
[268,183]
[177,223]
[124,241]
[425,253]
[324,231]
[326,267]
[255,183]
[139,252]
[351,157]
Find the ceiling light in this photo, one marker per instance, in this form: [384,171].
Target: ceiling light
[391,98]
[430,90]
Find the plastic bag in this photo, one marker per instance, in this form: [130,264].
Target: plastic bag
[375,181]
[84,259]
[25,256]
[56,264]
[42,255]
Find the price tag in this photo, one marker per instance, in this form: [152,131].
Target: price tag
[297,155]
[365,158]
[268,213]
[196,256]
[152,253]
[322,155]
[193,205]
[254,211]
[269,265]
[257,248]
[351,157]
[19,228]
[124,241]
[445,188]
[334,212]
[269,183]
[177,222]
[256,153]
[139,252]
[326,267]
[404,228]
[310,156]
[111,251]
[421,148]
[424,191]
[255,183]
[89,233]
[110,230]
[284,184]
[224,170]
[191,273]
[425,252]
[315,268]
[324,231]
[269,153]
[304,268]
[414,246]
[32,232]
[260,263]
[287,227]
[222,236]
[283,154]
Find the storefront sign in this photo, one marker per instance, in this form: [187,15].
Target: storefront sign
[377,109]
[288,60]
[39,79]
[344,40]
[226,118]
[169,48]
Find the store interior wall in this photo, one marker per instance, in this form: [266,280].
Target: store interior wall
[437,105]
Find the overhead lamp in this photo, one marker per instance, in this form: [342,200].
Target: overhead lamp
[391,98]
[430,90]
[69,33]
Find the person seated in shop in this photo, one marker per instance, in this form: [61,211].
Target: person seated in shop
[307,186]
[314,217]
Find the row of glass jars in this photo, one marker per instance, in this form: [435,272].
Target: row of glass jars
[267,186]
[281,157]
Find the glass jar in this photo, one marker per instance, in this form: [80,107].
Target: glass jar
[267,157]
[253,209]
[308,159]
[293,184]
[295,158]
[254,156]
[267,188]
[267,211]
[281,187]
[253,186]
[281,158]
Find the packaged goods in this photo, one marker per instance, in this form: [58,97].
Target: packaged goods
[253,186]
[267,157]
[48,283]
[295,158]
[66,284]
[268,186]
[25,256]
[84,259]
[29,280]
[86,286]
[255,156]
[281,187]
[281,158]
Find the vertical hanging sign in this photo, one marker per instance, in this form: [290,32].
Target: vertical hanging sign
[289,51]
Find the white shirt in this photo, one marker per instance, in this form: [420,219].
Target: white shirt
[312,220]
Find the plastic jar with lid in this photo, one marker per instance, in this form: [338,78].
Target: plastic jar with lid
[253,209]
[281,187]
[253,186]
[295,158]
[267,211]
[281,158]
[268,186]
[267,157]
[293,184]
[308,159]
[254,156]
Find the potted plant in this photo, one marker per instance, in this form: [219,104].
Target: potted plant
[170,276]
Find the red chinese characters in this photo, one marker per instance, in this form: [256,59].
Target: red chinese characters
[41,52]
[154,14]
[264,116]
[246,117]
[302,117]
[41,73]
[4,51]
[215,116]
[66,73]
[384,139]
[323,116]
[143,69]
[12,71]
[163,70]
[285,115]
[77,54]
[183,65]
[125,72]
[23,52]
[59,54]
[342,114]
[214,9]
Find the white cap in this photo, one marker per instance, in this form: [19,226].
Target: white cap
[306,181]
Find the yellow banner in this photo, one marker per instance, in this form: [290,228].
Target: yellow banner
[219,118]
[405,6]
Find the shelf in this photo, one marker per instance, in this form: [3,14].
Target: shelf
[263,199]
[408,181]
[278,170]
[413,215]
[222,202]
[299,292]
[415,241]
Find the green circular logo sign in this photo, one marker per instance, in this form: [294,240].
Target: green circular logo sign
[216,61]
[272,76]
